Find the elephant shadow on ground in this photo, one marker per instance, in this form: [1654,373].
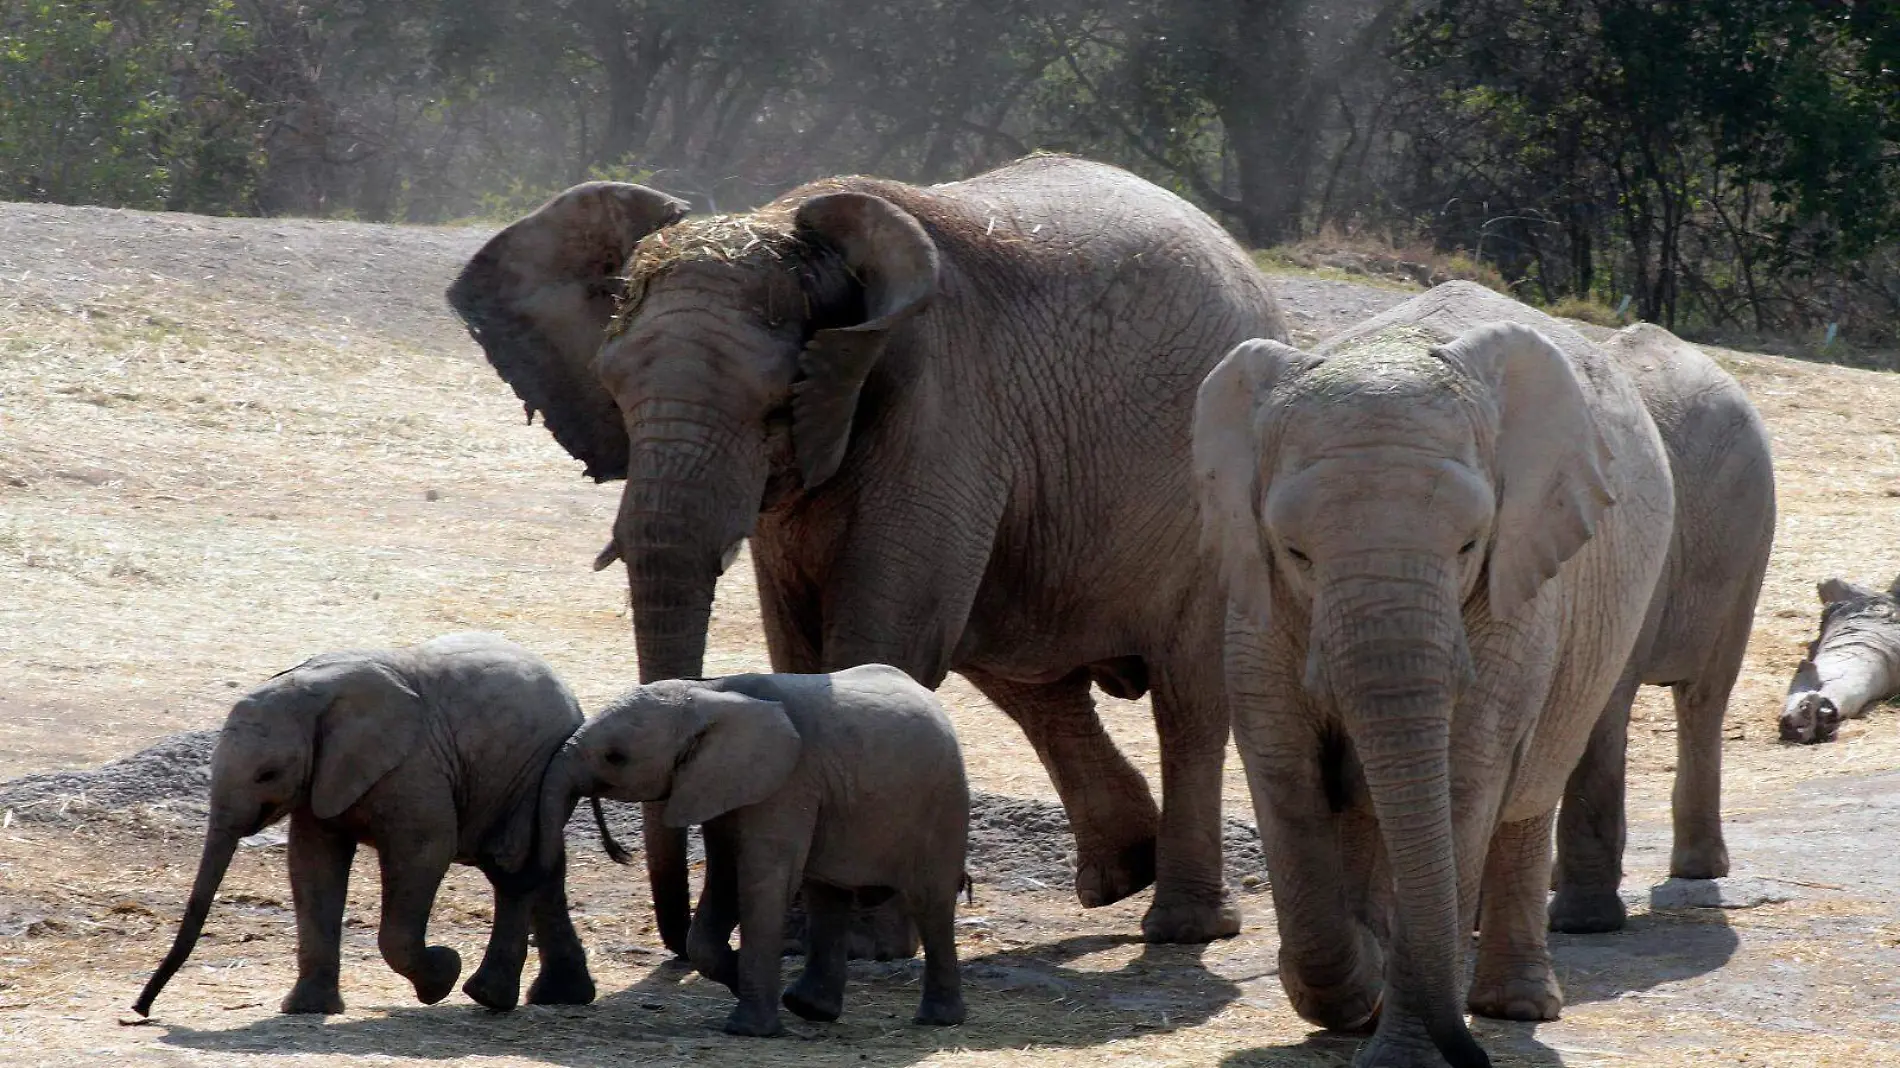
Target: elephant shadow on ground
[1032,995]
[1654,949]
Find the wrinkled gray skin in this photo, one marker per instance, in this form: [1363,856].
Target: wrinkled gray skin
[1440,538]
[1853,663]
[1696,631]
[432,754]
[954,422]
[833,784]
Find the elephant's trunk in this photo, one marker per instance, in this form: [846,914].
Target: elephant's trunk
[221,842]
[1390,649]
[692,493]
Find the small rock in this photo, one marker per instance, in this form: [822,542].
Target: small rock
[432,495]
[1732,893]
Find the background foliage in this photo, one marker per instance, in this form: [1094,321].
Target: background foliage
[1725,165]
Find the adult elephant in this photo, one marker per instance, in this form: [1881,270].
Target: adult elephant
[1442,533]
[954,422]
[1697,630]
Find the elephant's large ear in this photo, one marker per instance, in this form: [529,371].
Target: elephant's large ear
[370,723]
[1227,467]
[742,754]
[538,298]
[895,261]
[1552,459]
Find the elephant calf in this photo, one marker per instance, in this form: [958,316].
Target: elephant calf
[1854,662]
[432,754]
[845,785]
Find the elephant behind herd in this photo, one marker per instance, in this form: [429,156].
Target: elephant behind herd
[1042,428]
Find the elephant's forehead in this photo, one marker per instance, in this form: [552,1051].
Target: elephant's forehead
[1396,363]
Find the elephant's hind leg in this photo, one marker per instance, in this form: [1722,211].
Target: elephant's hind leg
[1111,811]
[1191,902]
[319,885]
[564,979]
[819,992]
[1699,851]
[1514,979]
[496,983]
[935,913]
[412,867]
[1590,825]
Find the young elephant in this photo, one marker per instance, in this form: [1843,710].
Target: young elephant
[835,783]
[1853,663]
[431,754]
[1441,533]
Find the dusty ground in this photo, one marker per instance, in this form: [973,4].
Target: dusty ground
[225,445]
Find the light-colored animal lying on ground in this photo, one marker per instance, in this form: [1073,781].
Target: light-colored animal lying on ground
[432,754]
[837,784]
[1853,663]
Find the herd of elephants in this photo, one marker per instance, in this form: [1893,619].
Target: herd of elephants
[1043,428]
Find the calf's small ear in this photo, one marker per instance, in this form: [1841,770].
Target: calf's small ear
[1838,589]
[742,754]
[368,727]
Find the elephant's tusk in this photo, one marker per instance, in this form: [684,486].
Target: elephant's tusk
[607,555]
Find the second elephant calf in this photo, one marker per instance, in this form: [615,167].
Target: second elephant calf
[844,785]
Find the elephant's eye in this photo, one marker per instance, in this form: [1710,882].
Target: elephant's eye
[1465,549]
[1297,555]
[267,775]
[616,757]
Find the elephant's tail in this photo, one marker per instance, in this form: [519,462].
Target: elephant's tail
[614,849]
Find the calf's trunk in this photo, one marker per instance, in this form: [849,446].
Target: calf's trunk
[1390,649]
[221,842]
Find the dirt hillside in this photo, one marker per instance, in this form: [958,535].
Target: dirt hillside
[228,444]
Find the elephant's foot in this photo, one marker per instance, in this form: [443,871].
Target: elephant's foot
[1390,1051]
[313,997]
[562,985]
[1577,911]
[495,989]
[814,999]
[1188,922]
[437,974]
[1705,857]
[1106,875]
[940,1012]
[754,1021]
[715,961]
[1525,990]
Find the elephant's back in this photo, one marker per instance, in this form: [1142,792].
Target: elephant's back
[1044,223]
[1723,475]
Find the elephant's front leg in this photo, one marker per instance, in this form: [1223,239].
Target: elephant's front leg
[769,869]
[1590,826]
[709,941]
[1514,979]
[319,884]
[1191,902]
[413,862]
[1111,811]
[1322,847]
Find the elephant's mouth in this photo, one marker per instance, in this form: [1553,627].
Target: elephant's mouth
[267,814]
